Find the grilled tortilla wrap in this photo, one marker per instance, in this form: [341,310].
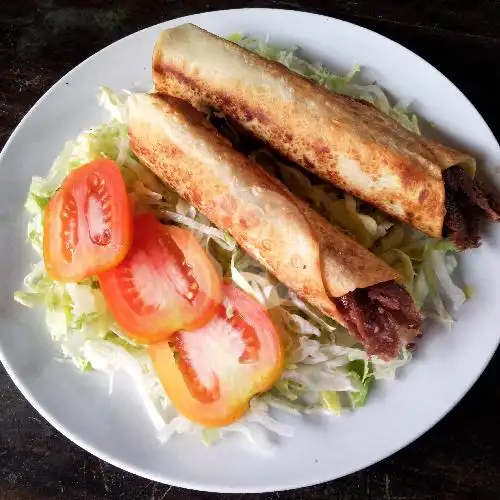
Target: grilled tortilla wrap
[316,260]
[346,141]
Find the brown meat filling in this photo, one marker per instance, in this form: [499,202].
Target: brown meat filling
[378,316]
[468,206]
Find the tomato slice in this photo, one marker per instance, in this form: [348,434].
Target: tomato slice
[87,223]
[165,284]
[211,374]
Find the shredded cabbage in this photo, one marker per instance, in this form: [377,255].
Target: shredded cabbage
[325,370]
[224,239]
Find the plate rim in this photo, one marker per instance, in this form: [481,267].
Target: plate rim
[195,484]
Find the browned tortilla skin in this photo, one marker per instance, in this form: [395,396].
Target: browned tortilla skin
[300,248]
[314,128]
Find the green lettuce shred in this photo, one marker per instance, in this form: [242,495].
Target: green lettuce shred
[362,372]
[332,403]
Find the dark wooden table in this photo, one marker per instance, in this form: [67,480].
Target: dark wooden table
[40,40]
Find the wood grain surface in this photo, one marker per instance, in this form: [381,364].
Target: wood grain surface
[41,40]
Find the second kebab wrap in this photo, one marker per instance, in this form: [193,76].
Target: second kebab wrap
[346,141]
[318,261]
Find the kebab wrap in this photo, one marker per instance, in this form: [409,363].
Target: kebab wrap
[316,260]
[346,141]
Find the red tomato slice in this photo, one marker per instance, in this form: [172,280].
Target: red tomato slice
[165,284]
[87,223]
[211,374]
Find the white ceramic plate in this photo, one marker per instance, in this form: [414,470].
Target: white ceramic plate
[116,428]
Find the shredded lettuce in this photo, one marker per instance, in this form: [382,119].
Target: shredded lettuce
[332,403]
[361,371]
[325,370]
[111,358]
[224,239]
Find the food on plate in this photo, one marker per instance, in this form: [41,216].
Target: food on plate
[166,283]
[319,262]
[347,141]
[223,364]
[87,224]
[283,352]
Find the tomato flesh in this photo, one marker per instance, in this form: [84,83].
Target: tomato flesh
[211,374]
[87,223]
[165,284]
